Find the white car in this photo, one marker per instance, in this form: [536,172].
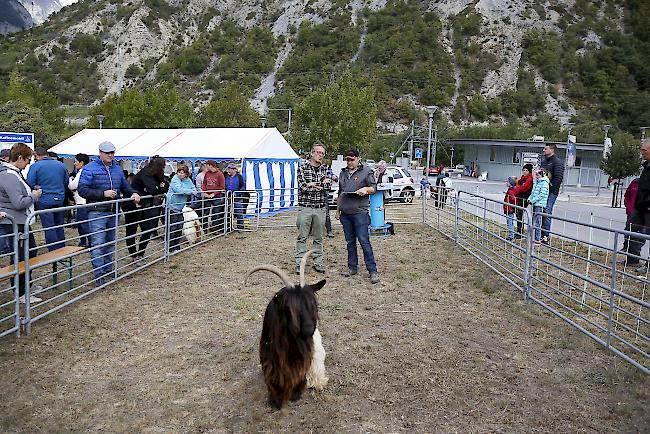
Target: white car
[460,168]
[400,185]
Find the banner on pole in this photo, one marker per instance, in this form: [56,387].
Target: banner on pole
[571,151]
[607,147]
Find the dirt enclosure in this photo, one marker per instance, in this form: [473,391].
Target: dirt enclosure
[440,345]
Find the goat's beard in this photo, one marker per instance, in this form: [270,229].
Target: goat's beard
[316,377]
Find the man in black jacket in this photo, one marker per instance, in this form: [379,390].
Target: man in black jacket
[555,166]
[640,218]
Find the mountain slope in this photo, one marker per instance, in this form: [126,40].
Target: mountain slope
[477,59]
[13,17]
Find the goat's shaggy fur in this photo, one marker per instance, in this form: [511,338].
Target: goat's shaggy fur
[191,225]
[291,350]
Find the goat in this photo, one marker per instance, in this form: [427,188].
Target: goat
[291,350]
[191,225]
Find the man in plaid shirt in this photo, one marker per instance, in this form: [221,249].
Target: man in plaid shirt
[314,180]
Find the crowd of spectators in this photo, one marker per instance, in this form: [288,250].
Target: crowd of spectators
[104,193]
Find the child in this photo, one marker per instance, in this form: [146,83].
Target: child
[538,198]
[508,209]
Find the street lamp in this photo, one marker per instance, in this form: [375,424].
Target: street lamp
[431,109]
[263,121]
[100,119]
[569,126]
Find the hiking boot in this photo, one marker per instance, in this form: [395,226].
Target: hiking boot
[545,241]
[319,268]
[641,270]
[350,272]
[374,277]
[330,235]
[297,269]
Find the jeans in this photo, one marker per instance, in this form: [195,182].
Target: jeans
[238,212]
[328,220]
[355,227]
[7,245]
[213,214]
[311,221]
[102,230]
[147,219]
[510,221]
[175,229]
[83,227]
[636,222]
[55,237]
[546,221]
[537,222]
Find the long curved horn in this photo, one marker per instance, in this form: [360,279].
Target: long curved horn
[303,264]
[273,269]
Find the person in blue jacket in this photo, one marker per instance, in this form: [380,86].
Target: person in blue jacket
[51,176]
[538,199]
[180,189]
[102,182]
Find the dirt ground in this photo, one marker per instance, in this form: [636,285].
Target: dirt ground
[442,344]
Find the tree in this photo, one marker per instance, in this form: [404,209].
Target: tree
[155,107]
[621,161]
[229,108]
[340,116]
[16,116]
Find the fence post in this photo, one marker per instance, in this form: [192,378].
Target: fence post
[28,308]
[116,236]
[528,264]
[16,277]
[611,293]
[167,230]
[226,214]
[457,218]
[424,205]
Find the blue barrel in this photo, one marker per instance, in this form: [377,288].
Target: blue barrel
[377,209]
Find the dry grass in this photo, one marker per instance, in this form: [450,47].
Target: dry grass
[441,345]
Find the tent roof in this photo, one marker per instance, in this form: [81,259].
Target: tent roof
[189,143]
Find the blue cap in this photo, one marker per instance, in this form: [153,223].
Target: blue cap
[106,147]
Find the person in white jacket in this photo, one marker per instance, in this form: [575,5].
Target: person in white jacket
[80,160]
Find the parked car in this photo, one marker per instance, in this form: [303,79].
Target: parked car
[400,185]
[460,168]
[433,171]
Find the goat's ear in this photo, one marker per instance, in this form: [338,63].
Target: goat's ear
[318,285]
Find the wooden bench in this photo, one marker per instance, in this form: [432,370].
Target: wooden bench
[62,255]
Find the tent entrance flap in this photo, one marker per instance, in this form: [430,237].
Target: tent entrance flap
[275,182]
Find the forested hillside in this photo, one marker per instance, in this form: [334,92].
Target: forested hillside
[496,62]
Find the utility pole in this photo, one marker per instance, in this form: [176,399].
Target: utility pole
[411,142]
[451,163]
[606,128]
[430,111]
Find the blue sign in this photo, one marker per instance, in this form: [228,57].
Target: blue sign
[7,140]
[418,152]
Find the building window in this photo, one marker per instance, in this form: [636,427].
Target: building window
[493,153]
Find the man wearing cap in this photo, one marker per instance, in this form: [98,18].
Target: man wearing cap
[51,176]
[314,179]
[213,186]
[101,183]
[356,182]
[235,185]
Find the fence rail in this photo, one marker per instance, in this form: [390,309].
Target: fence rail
[576,277]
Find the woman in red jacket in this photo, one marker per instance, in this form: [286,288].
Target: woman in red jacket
[522,191]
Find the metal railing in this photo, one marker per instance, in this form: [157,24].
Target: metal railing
[9,295]
[576,277]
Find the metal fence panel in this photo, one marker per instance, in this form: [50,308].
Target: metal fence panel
[9,299]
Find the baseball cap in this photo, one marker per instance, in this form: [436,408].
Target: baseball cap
[106,147]
[5,152]
[231,166]
[352,153]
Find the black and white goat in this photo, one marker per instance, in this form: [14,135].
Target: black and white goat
[291,349]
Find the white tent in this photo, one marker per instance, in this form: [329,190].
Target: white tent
[269,164]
